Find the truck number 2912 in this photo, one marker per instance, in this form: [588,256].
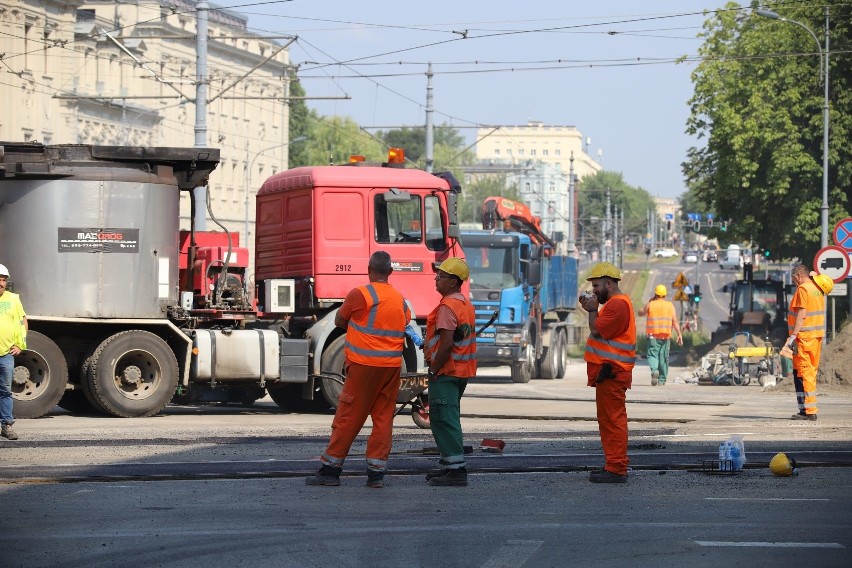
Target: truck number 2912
[343,268]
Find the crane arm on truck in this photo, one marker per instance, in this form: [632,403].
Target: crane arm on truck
[520,217]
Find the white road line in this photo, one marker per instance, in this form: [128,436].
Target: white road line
[762,499]
[513,554]
[770,544]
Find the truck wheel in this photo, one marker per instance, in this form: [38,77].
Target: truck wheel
[550,360]
[40,376]
[333,361]
[132,374]
[522,370]
[563,354]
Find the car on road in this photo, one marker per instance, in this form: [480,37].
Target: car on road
[710,256]
[665,253]
[690,256]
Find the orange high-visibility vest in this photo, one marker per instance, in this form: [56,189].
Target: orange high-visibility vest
[659,321]
[376,336]
[811,299]
[620,351]
[462,361]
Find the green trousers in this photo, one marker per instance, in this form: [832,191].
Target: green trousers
[445,394]
[658,357]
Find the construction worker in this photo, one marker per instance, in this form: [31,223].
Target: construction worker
[13,339]
[658,326]
[374,317]
[610,356]
[450,352]
[806,326]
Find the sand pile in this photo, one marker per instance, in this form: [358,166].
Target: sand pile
[835,366]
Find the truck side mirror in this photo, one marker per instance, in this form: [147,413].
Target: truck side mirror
[534,277]
[535,252]
[453,230]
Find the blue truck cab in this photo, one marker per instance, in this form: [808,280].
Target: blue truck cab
[533,290]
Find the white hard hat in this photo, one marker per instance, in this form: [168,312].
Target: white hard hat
[4,271]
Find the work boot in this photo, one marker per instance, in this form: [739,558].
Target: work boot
[8,432]
[436,473]
[375,479]
[327,475]
[452,478]
[798,416]
[606,476]
[655,375]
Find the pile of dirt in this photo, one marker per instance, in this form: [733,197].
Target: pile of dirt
[835,367]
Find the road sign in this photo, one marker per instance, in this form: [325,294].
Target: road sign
[669,216]
[833,262]
[681,296]
[839,289]
[680,281]
[843,234]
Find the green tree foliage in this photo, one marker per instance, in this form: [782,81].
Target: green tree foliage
[300,125]
[757,108]
[447,141]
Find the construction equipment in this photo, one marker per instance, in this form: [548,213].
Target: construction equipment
[741,364]
[758,307]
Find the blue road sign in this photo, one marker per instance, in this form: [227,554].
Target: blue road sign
[843,234]
[710,216]
[669,216]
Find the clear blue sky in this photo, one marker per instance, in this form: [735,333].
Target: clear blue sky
[605,67]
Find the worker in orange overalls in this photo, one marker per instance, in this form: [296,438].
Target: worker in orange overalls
[806,326]
[610,356]
[658,326]
[374,317]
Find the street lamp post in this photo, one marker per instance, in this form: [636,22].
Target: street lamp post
[248,177]
[823,57]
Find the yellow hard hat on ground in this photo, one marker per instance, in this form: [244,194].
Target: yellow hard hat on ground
[602,269]
[783,465]
[823,282]
[660,290]
[456,267]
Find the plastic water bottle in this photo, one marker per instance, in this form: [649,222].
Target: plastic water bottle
[736,457]
[409,330]
[723,455]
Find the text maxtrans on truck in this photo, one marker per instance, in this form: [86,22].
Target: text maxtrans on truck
[516,271]
[126,312]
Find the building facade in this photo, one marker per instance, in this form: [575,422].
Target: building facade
[124,73]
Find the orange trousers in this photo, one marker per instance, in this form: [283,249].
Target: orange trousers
[610,398]
[367,391]
[805,365]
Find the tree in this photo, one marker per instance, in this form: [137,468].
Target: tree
[300,125]
[634,201]
[757,106]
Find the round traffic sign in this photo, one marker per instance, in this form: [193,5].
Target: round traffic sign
[843,234]
[833,262]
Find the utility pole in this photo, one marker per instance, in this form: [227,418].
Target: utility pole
[569,244]
[430,134]
[608,223]
[615,237]
[202,9]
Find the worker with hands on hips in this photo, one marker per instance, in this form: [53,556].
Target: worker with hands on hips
[374,317]
[610,356]
[806,326]
[13,340]
[658,326]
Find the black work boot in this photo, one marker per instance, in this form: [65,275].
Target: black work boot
[606,476]
[327,475]
[436,473]
[451,478]
[375,479]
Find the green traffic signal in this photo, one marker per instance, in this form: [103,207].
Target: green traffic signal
[766,253]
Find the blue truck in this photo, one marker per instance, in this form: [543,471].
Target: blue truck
[517,272]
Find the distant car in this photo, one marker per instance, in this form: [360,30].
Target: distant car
[690,256]
[665,253]
[710,256]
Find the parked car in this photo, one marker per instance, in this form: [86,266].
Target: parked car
[690,256]
[665,253]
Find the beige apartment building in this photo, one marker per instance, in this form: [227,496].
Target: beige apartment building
[124,73]
[536,142]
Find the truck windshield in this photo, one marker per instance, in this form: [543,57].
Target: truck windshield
[493,268]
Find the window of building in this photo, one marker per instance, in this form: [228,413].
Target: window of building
[544,152]
[497,152]
[508,152]
[558,152]
[532,152]
[521,152]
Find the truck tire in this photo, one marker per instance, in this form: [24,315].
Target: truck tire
[132,374]
[550,358]
[40,377]
[563,354]
[333,361]
[522,371]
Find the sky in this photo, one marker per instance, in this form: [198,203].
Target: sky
[605,67]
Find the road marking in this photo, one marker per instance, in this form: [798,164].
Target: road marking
[770,544]
[513,554]
[763,499]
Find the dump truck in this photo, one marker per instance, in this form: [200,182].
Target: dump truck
[128,313]
[515,271]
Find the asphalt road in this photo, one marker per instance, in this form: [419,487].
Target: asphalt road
[202,486]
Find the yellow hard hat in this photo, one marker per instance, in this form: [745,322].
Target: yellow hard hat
[456,267]
[783,465]
[660,290]
[823,282]
[602,269]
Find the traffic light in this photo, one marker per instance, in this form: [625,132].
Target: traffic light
[696,226]
[668,225]
[766,253]
[696,294]
[724,226]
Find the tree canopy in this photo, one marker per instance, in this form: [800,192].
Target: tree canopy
[757,109]
[634,201]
